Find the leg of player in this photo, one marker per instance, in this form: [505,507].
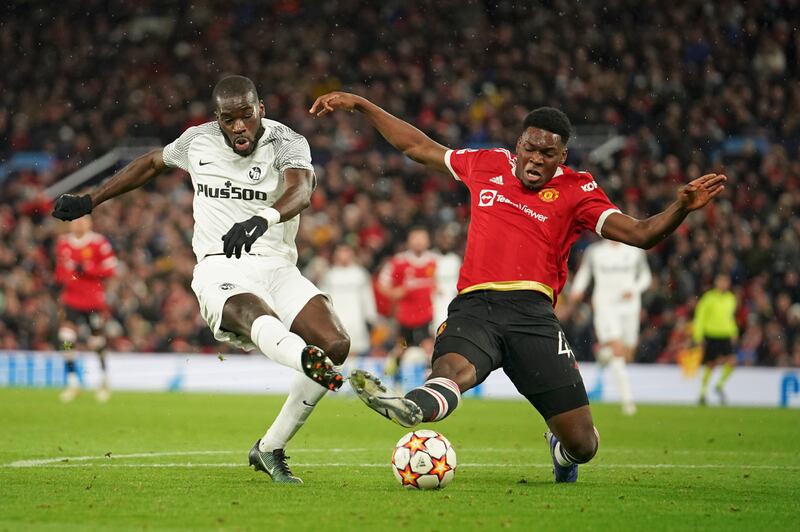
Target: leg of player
[98,345]
[727,368]
[68,335]
[573,440]
[437,398]
[319,325]
[708,369]
[621,353]
[249,316]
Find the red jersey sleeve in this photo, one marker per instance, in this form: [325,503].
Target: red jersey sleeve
[105,262]
[389,275]
[461,163]
[593,206]
[64,265]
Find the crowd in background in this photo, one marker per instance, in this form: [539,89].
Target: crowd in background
[722,93]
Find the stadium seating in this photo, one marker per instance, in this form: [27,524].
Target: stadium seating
[467,84]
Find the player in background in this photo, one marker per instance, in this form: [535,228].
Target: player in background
[448,265]
[84,260]
[714,327]
[620,275]
[527,209]
[409,281]
[349,285]
[252,177]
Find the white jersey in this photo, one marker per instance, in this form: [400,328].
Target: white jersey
[350,290]
[617,269]
[230,188]
[448,267]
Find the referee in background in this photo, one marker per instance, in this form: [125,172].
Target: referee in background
[715,326]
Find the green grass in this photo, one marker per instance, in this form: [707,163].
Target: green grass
[665,468]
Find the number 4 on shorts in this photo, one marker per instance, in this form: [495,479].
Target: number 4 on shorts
[563,346]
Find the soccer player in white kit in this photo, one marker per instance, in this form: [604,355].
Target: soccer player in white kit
[349,286]
[252,177]
[621,274]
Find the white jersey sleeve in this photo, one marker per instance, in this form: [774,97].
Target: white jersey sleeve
[176,153]
[584,274]
[291,149]
[644,275]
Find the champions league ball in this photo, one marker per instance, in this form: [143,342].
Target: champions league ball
[424,460]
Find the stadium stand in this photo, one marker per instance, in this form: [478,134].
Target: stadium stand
[721,93]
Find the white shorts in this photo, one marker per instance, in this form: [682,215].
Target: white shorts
[275,280]
[620,324]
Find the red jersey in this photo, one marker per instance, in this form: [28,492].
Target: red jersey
[417,275]
[81,265]
[519,239]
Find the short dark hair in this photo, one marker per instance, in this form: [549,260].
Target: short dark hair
[233,86]
[550,119]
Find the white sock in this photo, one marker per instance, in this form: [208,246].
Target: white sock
[304,394]
[604,355]
[73,381]
[617,365]
[277,342]
[561,458]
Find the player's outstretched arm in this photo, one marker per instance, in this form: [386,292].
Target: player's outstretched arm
[135,174]
[649,232]
[415,144]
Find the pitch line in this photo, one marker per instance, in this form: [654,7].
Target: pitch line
[610,450]
[145,465]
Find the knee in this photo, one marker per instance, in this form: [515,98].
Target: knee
[456,368]
[337,348]
[582,447]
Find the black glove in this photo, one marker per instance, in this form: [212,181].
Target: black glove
[243,234]
[70,207]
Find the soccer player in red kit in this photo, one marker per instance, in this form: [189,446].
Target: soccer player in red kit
[84,260]
[409,280]
[527,209]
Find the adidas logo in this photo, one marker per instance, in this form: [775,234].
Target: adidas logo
[497,180]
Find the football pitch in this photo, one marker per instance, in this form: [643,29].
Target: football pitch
[179,462]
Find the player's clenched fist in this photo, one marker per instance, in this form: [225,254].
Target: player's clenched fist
[327,103]
[70,207]
[243,235]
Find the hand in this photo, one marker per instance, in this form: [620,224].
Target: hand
[243,234]
[70,207]
[698,192]
[327,103]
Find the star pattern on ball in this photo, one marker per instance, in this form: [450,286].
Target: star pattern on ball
[408,477]
[416,443]
[440,467]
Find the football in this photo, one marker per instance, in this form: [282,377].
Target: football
[424,459]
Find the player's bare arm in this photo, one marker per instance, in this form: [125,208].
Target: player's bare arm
[649,232]
[415,144]
[298,186]
[134,175]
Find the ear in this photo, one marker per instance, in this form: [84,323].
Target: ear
[564,155]
[261,110]
[519,141]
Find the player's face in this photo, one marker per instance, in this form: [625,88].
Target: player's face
[539,153]
[81,226]
[239,117]
[418,241]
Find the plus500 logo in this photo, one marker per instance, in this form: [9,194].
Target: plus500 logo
[237,193]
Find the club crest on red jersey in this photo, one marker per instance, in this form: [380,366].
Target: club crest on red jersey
[548,194]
